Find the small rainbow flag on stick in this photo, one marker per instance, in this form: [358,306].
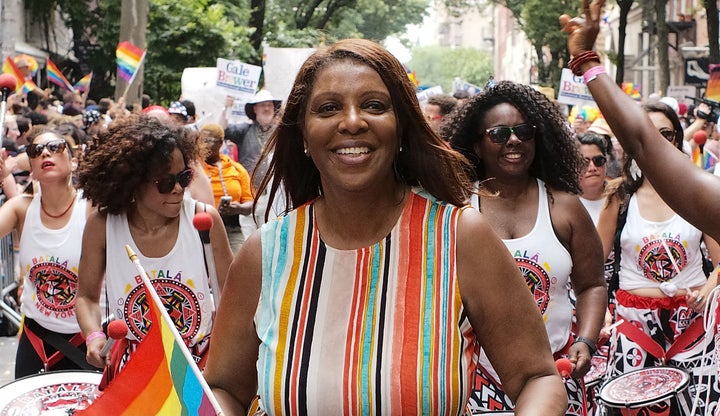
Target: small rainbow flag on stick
[129,59]
[56,77]
[84,83]
[161,378]
[23,85]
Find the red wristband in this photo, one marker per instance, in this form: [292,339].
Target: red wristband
[577,61]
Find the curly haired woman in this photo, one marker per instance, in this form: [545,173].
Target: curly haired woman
[136,175]
[525,154]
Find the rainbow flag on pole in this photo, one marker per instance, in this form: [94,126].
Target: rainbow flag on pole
[84,83]
[56,77]
[129,58]
[23,85]
[160,378]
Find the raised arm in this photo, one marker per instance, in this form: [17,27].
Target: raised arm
[696,198]
[502,312]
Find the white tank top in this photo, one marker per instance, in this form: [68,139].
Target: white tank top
[650,252]
[546,265]
[179,278]
[49,263]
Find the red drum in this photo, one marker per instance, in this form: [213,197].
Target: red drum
[646,387]
[598,368]
[54,393]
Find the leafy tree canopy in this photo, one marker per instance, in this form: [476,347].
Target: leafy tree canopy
[436,65]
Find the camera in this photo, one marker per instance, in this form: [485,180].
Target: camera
[714,113]
[225,201]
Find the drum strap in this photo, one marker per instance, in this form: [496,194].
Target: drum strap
[684,340]
[65,348]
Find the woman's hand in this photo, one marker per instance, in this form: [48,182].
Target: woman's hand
[582,32]
[696,299]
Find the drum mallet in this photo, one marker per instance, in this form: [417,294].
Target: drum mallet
[202,221]
[117,329]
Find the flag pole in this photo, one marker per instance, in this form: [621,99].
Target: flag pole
[137,71]
[150,290]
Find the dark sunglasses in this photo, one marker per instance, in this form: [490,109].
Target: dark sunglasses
[501,134]
[166,184]
[598,160]
[56,146]
[668,134]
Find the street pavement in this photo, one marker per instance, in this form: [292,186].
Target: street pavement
[8,346]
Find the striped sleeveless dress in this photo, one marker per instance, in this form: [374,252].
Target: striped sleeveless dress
[377,330]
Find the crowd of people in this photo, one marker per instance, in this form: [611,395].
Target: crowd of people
[373,254]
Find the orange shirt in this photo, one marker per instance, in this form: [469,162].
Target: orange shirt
[235,176]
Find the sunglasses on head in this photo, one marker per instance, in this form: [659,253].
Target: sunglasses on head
[56,146]
[669,134]
[598,160]
[166,184]
[501,134]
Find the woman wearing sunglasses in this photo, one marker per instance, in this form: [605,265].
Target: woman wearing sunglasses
[136,175]
[658,263]
[50,226]
[527,160]
[592,183]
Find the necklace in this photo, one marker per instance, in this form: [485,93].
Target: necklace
[42,207]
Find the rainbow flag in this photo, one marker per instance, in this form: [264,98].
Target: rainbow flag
[633,90]
[84,83]
[129,58]
[23,85]
[56,77]
[697,157]
[159,379]
[709,159]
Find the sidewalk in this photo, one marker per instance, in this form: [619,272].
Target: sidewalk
[8,346]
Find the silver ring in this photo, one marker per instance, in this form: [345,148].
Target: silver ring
[699,299]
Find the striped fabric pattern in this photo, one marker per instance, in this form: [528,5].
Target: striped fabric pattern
[377,330]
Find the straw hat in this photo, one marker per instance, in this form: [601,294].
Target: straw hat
[600,126]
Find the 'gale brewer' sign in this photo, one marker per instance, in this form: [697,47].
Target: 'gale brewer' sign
[573,90]
[237,78]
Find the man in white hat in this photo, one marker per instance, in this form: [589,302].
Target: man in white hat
[250,139]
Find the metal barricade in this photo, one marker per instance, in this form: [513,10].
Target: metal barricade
[9,308]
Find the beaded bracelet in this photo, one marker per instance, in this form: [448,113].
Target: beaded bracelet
[593,72]
[577,61]
[94,335]
[589,343]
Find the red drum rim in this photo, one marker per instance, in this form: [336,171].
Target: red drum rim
[644,386]
[598,369]
[47,393]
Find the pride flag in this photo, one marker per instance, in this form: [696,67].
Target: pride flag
[23,85]
[84,83]
[160,378]
[56,77]
[633,90]
[129,58]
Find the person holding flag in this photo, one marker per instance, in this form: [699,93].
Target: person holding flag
[136,174]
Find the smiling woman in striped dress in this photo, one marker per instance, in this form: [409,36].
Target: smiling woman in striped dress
[376,293]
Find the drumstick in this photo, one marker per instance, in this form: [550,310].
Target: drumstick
[615,325]
[117,329]
[202,221]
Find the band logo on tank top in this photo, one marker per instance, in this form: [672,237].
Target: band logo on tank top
[180,302]
[55,286]
[658,259]
[536,278]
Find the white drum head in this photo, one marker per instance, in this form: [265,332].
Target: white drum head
[643,387]
[48,394]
